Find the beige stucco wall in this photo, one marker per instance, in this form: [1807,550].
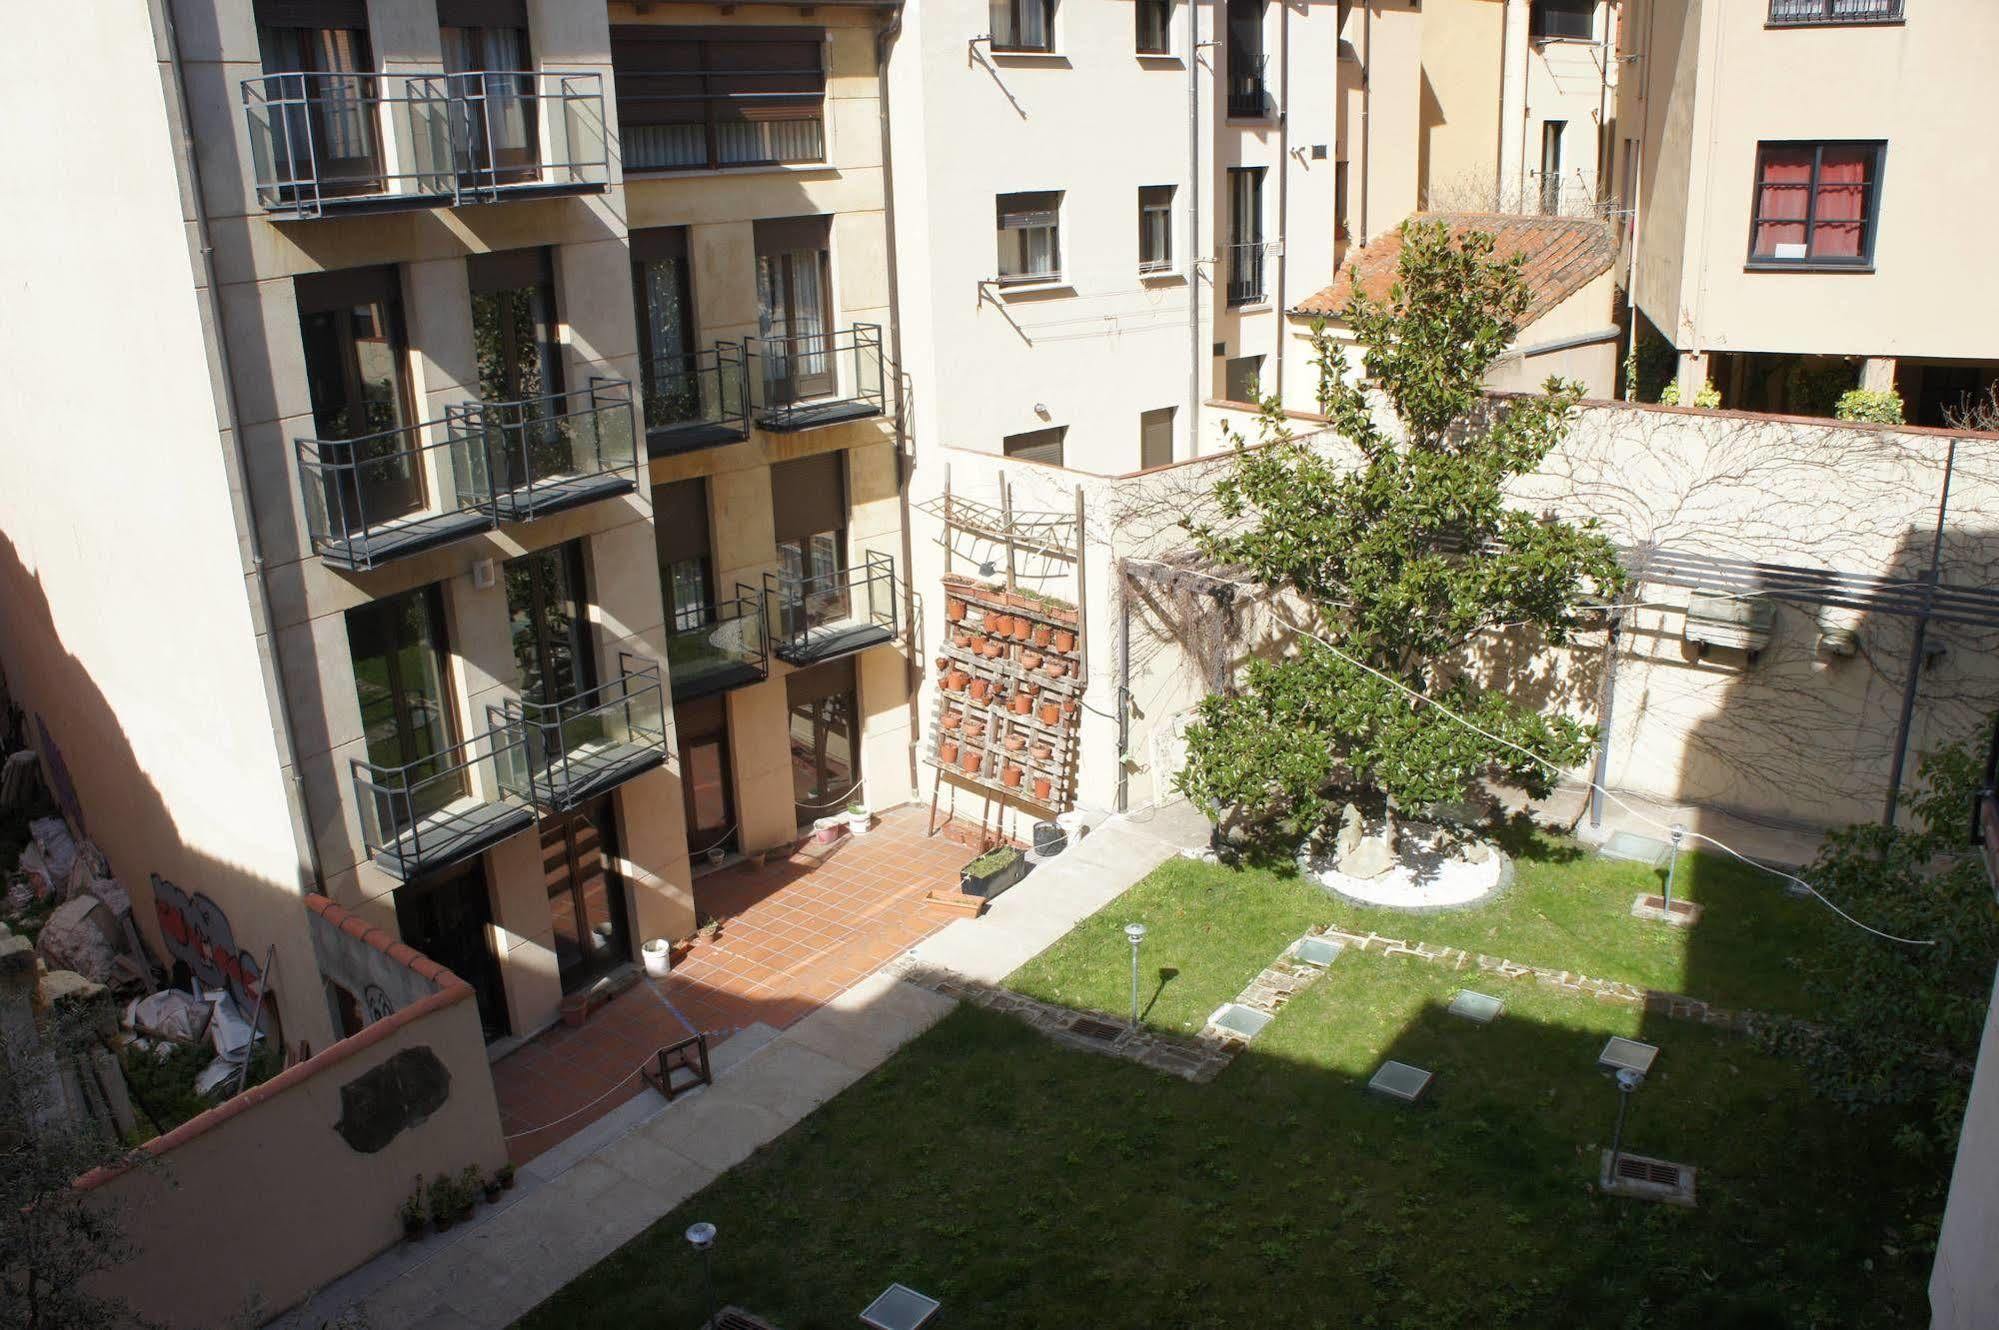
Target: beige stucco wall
[1714,81]
[310,1207]
[125,611]
[1459,96]
[1964,1283]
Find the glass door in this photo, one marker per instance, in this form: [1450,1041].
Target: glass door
[493,94]
[707,784]
[516,340]
[328,89]
[548,621]
[666,327]
[450,920]
[586,897]
[825,760]
[792,314]
[351,327]
[397,646]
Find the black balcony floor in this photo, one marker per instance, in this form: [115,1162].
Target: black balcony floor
[589,770]
[690,682]
[666,440]
[817,415]
[362,550]
[450,836]
[554,496]
[833,640]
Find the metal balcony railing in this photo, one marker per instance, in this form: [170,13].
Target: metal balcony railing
[545,454]
[816,379]
[837,613]
[1803,12]
[1249,99]
[350,142]
[565,752]
[696,399]
[381,496]
[1246,268]
[439,810]
[713,648]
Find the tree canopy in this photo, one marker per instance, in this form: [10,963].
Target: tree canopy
[1398,562]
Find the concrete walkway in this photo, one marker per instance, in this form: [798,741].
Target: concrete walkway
[580,1202]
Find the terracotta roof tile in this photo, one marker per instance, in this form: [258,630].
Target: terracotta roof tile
[1562,254]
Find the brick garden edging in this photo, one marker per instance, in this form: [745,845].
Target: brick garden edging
[1673,1006]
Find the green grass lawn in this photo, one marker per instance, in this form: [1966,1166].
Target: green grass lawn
[1210,929]
[1027,1185]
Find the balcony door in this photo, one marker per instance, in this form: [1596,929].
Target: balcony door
[706,783]
[680,538]
[809,518]
[825,739]
[794,308]
[1245,234]
[1245,58]
[673,389]
[548,623]
[516,339]
[351,325]
[397,647]
[449,918]
[321,73]
[586,896]
[491,70]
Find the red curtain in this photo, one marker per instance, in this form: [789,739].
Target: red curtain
[1841,215]
[1783,198]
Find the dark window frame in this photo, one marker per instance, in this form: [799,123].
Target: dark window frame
[1161,198]
[1162,11]
[1824,14]
[1028,442]
[1169,416]
[1028,203]
[1553,21]
[1014,9]
[646,50]
[1870,220]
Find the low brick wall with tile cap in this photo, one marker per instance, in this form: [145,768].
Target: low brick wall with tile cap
[378,972]
[263,1195]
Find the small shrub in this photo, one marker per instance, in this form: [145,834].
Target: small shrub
[992,861]
[1707,398]
[1876,408]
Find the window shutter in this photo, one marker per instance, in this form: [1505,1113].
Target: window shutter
[808,496]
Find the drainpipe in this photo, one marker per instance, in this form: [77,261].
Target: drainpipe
[1193,227]
[237,461]
[1366,129]
[1283,177]
[914,673]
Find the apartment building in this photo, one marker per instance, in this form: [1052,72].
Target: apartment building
[1103,211]
[1518,105]
[1801,175]
[518,504]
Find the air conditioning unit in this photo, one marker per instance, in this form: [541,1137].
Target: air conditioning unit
[1726,619]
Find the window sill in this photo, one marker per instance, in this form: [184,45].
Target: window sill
[1564,41]
[1788,265]
[1263,306]
[1038,287]
[1161,276]
[710,172]
[1052,59]
[1161,58]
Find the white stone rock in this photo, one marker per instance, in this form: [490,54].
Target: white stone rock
[1367,860]
[1350,833]
[82,936]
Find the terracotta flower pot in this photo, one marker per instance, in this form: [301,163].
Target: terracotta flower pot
[1022,704]
[1049,713]
[1041,787]
[1022,629]
[991,649]
[947,751]
[1042,634]
[1068,706]
[955,681]
[1041,752]
[1031,660]
[999,625]
[1064,640]
[1015,742]
[968,761]
[963,639]
[954,609]
[953,719]
[1056,668]
[943,664]
[1010,777]
[980,689]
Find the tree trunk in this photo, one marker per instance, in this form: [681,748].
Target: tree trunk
[1388,822]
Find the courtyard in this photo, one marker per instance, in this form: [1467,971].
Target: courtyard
[1025,1183]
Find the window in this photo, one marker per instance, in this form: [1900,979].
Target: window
[1155,27]
[1023,25]
[1551,165]
[680,537]
[1245,235]
[1340,228]
[794,275]
[667,363]
[1562,19]
[690,98]
[825,754]
[322,71]
[397,649]
[809,519]
[1798,13]
[1240,378]
[1030,248]
[351,324]
[547,620]
[1816,204]
[1155,437]
[1155,228]
[491,66]
[1036,445]
[1245,60]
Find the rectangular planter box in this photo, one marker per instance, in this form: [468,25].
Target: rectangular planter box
[992,884]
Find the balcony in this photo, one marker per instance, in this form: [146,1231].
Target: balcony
[366,497]
[547,454]
[718,647]
[1246,267]
[829,615]
[696,400]
[815,380]
[439,810]
[1804,13]
[325,143]
[1249,99]
[564,753]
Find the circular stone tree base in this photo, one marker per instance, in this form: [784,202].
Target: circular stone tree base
[1424,876]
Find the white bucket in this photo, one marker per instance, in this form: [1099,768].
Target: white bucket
[658,953]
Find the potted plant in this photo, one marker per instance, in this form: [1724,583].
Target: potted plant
[955,681]
[1010,775]
[1021,703]
[980,689]
[1042,634]
[492,1188]
[954,609]
[992,649]
[1015,742]
[443,1196]
[1042,785]
[826,830]
[964,638]
[947,751]
[505,1174]
[1022,628]
[1041,751]
[992,872]
[1064,640]
[952,720]
[1031,660]
[1068,706]
[969,760]
[413,1213]
[1049,713]
[999,625]
[858,817]
[469,1184]
[1056,668]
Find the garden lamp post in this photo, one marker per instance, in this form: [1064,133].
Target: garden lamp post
[701,1237]
[1628,1081]
[1135,934]
[1673,865]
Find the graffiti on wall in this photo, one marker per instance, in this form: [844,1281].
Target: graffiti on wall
[198,935]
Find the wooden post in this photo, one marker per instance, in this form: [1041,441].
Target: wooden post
[947,517]
[1006,525]
[1082,603]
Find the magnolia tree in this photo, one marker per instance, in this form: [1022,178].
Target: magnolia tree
[1398,565]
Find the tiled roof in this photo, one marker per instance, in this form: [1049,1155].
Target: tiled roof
[1563,255]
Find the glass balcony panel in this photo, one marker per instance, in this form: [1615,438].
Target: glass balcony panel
[812,380]
[441,809]
[827,615]
[580,746]
[549,453]
[714,648]
[695,400]
[370,499]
